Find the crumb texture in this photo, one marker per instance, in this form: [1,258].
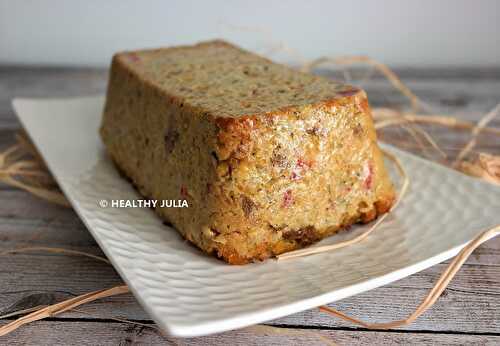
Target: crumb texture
[227,81]
[268,158]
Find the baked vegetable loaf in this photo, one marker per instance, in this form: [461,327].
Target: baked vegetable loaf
[269,159]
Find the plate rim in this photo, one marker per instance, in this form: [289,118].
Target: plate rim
[262,315]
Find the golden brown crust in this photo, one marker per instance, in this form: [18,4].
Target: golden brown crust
[269,159]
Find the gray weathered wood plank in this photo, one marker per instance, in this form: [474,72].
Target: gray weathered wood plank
[470,305]
[471,300]
[445,90]
[116,333]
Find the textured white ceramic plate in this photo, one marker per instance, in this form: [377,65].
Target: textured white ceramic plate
[188,293]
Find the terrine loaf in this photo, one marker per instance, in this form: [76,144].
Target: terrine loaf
[269,159]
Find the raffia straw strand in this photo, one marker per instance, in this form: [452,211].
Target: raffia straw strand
[44,193]
[56,309]
[486,167]
[434,293]
[11,166]
[412,131]
[384,69]
[415,131]
[385,117]
[56,250]
[403,143]
[22,312]
[268,329]
[25,142]
[325,248]
[393,78]
[431,141]
[12,152]
[475,132]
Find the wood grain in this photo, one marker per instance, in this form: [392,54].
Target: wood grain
[114,333]
[467,313]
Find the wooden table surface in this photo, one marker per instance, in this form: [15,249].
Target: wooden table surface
[467,313]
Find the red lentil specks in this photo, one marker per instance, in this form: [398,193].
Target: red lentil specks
[368,175]
[133,58]
[287,199]
[301,167]
[184,192]
[305,164]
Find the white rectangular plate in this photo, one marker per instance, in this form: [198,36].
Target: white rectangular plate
[190,294]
